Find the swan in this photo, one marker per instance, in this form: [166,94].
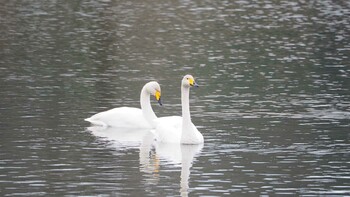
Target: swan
[130,117]
[176,129]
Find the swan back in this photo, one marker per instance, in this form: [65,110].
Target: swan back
[122,117]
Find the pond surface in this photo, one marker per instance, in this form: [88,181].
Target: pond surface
[273,103]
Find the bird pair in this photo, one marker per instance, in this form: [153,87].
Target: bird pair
[169,129]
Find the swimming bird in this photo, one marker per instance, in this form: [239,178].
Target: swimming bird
[177,129]
[131,117]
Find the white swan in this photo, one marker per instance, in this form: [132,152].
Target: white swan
[176,129]
[130,117]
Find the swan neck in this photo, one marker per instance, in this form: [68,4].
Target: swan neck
[185,102]
[146,107]
[189,134]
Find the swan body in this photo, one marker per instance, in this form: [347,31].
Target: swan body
[123,117]
[169,130]
[130,117]
[177,129]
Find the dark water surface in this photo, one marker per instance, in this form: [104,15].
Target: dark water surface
[273,106]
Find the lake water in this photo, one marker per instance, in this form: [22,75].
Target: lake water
[273,103]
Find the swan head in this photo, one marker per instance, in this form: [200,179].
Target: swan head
[153,88]
[188,81]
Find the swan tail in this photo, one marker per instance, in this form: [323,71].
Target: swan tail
[96,122]
[87,119]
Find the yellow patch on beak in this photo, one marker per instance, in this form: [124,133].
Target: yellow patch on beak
[157,95]
[191,81]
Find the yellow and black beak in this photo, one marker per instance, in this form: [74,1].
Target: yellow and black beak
[157,95]
[193,83]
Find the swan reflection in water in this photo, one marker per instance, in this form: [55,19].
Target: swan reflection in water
[152,153]
[179,155]
[131,138]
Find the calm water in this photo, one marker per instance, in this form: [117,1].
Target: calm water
[273,106]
